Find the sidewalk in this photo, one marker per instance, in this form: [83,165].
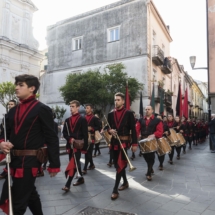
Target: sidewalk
[185,188]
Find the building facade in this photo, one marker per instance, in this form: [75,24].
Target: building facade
[131,32]
[18,49]
[120,32]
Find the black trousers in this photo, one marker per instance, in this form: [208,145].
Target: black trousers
[78,157]
[122,173]
[172,153]
[161,159]
[178,150]
[189,140]
[111,156]
[89,157]
[97,149]
[24,194]
[150,160]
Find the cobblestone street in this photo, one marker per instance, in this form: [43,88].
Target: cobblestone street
[185,188]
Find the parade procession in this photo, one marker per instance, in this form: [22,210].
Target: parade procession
[29,139]
[104,108]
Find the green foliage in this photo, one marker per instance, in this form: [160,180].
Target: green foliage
[98,87]
[59,111]
[7,93]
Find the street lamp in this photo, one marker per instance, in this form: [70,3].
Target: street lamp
[193,62]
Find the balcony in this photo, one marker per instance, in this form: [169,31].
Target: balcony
[168,99]
[158,91]
[166,68]
[158,56]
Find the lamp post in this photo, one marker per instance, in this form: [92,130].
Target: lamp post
[193,61]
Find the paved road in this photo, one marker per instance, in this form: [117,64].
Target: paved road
[185,188]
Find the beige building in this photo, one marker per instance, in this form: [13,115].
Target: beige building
[18,49]
[159,63]
[44,62]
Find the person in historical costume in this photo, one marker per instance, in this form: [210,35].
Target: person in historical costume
[41,173]
[11,104]
[170,124]
[149,127]
[189,129]
[97,144]
[185,124]
[133,153]
[198,131]
[75,128]
[194,131]
[165,134]
[27,125]
[93,125]
[179,128]
[121,122]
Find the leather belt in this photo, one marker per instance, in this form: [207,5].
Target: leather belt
[24,152]
[124,137]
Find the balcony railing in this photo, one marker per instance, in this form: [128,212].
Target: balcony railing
[158,56]
[158,91]
[168,99]
[166,68]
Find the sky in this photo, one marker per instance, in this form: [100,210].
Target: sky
[186,18]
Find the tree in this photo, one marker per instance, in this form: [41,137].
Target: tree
[7,93]
[98,87]
[59,111]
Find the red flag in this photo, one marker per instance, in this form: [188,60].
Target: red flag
[185,105]
[70,170]
[2,157]
[121,163]
[127,98]
[179,102]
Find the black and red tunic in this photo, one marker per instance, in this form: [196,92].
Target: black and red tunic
[170,124]
[93,123]
[28,125]
[165,128]
[189,129]
[180,125]
[150,126]
[123,122]
[77,129]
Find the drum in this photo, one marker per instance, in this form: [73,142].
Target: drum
[98,137]
[107,137]
[148,145]
[181,138]
[173,138]
[163,146]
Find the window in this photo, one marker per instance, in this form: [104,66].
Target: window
[77,43]
[163,49]
[113,34]
[154,39]
[45,67]
[154,78]
[164,81]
